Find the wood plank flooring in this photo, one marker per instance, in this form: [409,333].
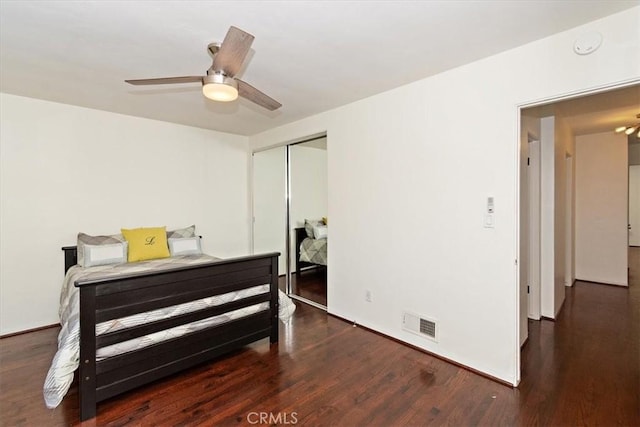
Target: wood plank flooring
[583,369]
[311,284]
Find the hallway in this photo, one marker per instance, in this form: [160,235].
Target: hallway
[585,366]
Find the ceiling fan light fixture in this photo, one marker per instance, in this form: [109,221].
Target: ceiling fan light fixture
[621,129]
[219,87]
[219,83]
[630,130]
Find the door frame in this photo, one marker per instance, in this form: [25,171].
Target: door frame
[516,159]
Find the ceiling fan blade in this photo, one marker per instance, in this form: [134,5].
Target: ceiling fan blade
[166,80]
[249,92]
[232,52]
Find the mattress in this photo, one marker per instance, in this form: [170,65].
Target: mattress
[314,251]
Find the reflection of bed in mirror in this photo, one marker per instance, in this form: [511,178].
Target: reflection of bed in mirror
[309,252]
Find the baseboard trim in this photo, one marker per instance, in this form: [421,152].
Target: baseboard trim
[13,334]
[422,350]
[617,285]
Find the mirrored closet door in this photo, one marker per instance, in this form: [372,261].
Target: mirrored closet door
[308,220]
[270,205]
[290,205]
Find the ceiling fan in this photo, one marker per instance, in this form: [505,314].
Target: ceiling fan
[220,83]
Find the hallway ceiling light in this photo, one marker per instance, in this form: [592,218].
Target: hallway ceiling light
[630,129]
[627,129]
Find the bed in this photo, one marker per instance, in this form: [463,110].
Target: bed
[310,252]
[105,370]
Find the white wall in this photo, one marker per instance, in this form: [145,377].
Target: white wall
[570,221]
[601,208]
[547,216]
[634,154]
[565,151]
[556,142]
[65,169]
[564,142]
[529,128]
[407,192]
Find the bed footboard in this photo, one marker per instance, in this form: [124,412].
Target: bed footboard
[106,299]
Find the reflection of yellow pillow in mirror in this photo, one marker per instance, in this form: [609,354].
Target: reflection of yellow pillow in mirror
[324,219]
[146,243]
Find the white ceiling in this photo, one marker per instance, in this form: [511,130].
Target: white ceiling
[311,56]
[601,112]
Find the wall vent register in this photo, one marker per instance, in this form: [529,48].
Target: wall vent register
[420,325]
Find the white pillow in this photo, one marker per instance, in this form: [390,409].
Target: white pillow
[182,232]
[184,246]
[114,253]
[85,239]
[320,231]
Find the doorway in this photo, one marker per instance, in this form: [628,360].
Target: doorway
[572,117]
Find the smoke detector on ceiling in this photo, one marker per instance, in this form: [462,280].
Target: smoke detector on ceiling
[587,43]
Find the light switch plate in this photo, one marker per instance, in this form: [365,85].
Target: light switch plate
[489,221]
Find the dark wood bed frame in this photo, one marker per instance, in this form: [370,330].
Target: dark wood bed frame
[301,234]
[111,298]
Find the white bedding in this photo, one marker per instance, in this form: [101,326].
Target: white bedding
[65,361]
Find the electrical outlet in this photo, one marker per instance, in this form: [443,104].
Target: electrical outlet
[367,295]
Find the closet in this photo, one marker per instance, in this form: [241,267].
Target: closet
[289,187]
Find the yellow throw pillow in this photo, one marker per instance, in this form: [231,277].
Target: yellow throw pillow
[146,243]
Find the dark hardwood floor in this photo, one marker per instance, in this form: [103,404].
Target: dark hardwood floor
[311,284]
[583,369]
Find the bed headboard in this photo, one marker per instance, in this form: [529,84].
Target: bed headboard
[301,234]
[70,257]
